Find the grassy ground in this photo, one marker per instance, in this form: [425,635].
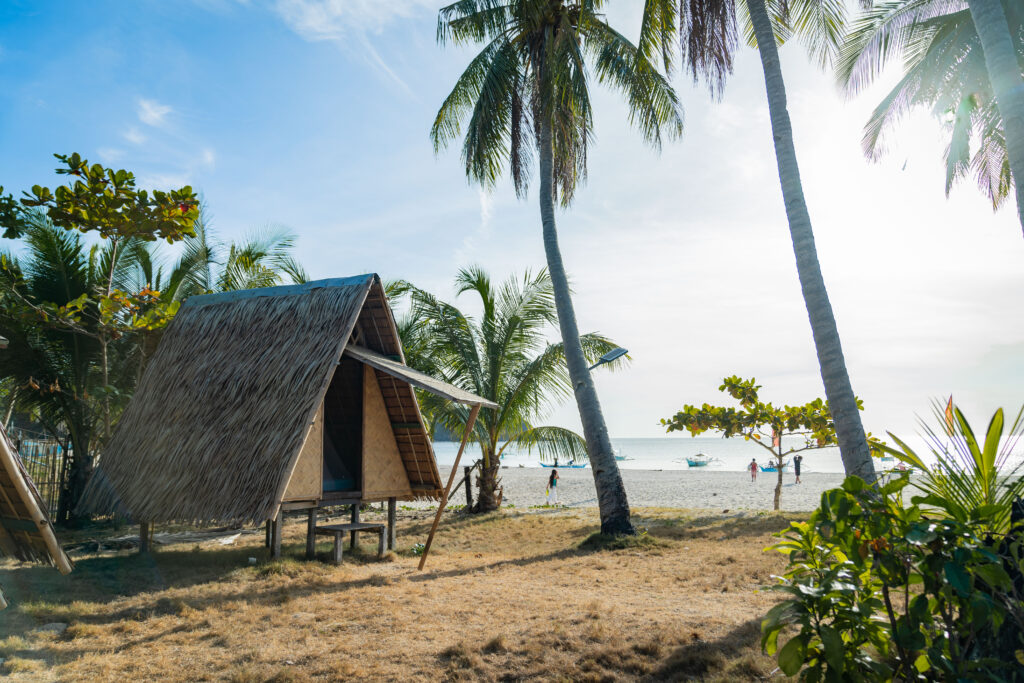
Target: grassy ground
[506,596]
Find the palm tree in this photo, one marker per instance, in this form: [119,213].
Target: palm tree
[944,70]
[54,370]
[528,90]
[503,357]
[707,40]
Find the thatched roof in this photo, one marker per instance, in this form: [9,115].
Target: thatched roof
[26,532]
[219,417]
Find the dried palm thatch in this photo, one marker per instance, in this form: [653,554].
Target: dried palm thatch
[25,529]
[217,422]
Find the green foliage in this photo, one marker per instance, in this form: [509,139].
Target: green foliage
[535,67]
[970,480]
[106,201]
[877,590]
[758,420]
[503,356]
[944,72]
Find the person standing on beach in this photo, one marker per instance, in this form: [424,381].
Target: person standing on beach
[552,492]
[753,469]
[796,466]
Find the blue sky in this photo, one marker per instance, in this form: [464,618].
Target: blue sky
[314,115]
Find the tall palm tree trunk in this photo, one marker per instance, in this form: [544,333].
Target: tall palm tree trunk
[611,494]
[1004,74]
[853,446]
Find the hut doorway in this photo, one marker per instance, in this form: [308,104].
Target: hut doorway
[343,429]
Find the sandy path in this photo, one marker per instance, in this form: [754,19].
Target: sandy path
[706,489]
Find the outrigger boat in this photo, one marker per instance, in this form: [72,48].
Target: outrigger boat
[773,467]
[699,460]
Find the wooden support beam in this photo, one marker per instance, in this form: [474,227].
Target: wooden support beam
[266,542]
[392,510]
[275,536]
[451,478]
[311,534]
[469,487]
[355,520]
[144,537]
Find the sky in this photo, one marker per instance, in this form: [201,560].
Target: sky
[314,115]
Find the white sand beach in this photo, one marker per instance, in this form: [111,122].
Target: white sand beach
[698,489]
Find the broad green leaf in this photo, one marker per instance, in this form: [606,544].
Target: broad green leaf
[791,656]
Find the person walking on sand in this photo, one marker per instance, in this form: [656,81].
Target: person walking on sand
[753,469]
[552,492]
[796,466]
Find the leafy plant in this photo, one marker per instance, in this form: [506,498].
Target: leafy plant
[971,479]
[878,590]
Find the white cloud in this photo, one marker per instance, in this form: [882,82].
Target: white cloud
[331,19]
[110,154]
[134,136]
[152,113]
[208,157]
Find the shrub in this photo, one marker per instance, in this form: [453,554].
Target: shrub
[879,590]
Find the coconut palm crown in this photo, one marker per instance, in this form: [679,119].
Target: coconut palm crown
[944,70]
[502,355]
[535,68]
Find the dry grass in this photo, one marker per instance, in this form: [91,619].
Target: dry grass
[506,596]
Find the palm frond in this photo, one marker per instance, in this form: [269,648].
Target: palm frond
[551,443]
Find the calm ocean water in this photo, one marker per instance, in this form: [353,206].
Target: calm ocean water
[666,453]
[669,453]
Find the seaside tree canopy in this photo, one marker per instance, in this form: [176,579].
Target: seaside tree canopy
[761,422]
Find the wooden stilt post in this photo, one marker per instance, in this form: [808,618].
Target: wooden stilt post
[311,534]
[266,543]
[451,478]
[469,486]
[144,536]
[392,509]
[275,536]
[355,520]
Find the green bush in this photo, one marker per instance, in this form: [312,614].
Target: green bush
[877,590]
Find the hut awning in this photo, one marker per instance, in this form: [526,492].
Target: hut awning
[416,378]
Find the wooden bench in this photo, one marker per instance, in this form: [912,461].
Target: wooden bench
[339,530]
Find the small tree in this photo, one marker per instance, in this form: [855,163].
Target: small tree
[762,423]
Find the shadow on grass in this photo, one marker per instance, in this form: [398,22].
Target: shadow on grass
[736,656]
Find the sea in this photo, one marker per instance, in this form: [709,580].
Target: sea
[664,453]
[669,453]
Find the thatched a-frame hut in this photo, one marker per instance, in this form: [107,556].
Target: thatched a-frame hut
[26,532]
[265,400]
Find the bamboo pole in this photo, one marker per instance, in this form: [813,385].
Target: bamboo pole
[39,517]
[451,478]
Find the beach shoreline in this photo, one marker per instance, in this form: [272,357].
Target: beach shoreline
[524,487]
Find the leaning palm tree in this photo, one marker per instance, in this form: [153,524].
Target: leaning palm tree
[526,92]
[708,36]
[944,70]
[502,356]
